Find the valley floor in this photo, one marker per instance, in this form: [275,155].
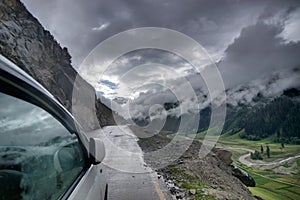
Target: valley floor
[277,177]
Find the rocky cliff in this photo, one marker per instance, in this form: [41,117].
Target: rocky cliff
[25,42]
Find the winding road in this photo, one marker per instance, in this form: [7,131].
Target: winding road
[243,159]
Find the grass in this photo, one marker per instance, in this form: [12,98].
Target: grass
[188,181]
[265,186]
[298,162]
[276,151]
[271,189]
[292,180]
[202,196]
[294,189]
[265,194]
[194,184]
[286,165]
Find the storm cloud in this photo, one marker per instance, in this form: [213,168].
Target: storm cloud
[81,25]
[255,44]
[258,51]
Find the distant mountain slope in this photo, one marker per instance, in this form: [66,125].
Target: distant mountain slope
[280,116]
[261,118]
[24,41]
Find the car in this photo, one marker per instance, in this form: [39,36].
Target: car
[44,153]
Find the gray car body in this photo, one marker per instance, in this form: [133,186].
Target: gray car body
[91,184]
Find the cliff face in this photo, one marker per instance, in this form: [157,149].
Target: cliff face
[25,42]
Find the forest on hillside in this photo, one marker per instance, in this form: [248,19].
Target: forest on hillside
[279,117]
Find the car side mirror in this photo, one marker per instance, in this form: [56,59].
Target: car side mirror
[97,151]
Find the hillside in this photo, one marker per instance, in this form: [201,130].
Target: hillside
[211,177]
[259,119]
[279,116]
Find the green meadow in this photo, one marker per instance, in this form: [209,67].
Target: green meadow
[269,185]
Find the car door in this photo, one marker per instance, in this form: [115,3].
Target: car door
[39,157]
[44,154]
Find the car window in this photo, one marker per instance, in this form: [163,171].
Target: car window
[39,158]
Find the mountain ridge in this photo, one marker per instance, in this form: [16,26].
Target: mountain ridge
[260,118]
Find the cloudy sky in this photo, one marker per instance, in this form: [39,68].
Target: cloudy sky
[252,42]
[24,124]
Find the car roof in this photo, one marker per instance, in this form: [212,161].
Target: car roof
[61,113]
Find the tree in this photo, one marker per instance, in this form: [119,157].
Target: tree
[261,149]
[282,144]
[256,155]
[268,151]
[278,134]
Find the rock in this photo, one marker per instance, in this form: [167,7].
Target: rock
[173,190]
[220,181]
[224,155]
[180,195]
[258,198]
[171,186]
[170,181]
[179,162]
[192,191]
[25,42]
[243,176]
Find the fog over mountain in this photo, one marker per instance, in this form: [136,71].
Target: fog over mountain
[255,45]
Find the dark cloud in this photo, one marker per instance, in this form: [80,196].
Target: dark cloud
[258,51]
[74,23]
[253,41]
[21,120]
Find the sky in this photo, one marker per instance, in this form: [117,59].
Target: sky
[24,124]
[254,44]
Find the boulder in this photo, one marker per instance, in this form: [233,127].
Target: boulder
[192,191]
[243,176]
[223,155]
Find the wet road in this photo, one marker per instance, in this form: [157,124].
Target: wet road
[128,176]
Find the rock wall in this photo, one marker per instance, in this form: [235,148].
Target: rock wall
[25,42]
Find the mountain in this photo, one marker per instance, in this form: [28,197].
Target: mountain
[262,118]
[253,120]
[25,42]
[279,116]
